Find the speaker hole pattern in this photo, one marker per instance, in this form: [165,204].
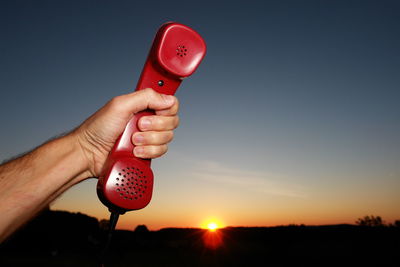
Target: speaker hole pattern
[181,51]
[131,183]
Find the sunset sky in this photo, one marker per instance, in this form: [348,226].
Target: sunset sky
[293,116]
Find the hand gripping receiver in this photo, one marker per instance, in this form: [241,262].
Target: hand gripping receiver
[126,182]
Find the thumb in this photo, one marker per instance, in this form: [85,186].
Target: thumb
[146,99]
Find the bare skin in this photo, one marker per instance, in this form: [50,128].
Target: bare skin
[29,183]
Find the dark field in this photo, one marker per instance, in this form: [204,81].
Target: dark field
[66,239]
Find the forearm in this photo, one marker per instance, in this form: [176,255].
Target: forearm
[31,182]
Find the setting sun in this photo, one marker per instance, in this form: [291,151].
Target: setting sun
[212,226]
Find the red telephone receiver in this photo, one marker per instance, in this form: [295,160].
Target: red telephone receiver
[126,182]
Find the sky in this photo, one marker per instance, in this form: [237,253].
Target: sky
[293,116]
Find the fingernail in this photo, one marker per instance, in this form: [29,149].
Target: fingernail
[138,151]
[145,123]
[169,99]
[138,139]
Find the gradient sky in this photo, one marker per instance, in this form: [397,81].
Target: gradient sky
[293,116]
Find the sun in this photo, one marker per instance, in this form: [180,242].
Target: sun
[212,226]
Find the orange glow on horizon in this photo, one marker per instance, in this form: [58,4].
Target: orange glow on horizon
[212,224]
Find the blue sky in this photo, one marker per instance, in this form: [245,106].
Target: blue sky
[293,116]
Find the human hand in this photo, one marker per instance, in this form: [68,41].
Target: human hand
[97,135]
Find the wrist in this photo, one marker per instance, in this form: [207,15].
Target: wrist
[80,152]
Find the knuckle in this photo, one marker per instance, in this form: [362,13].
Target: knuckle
[146,93]
[150,93]
[152,137]
[160,122]
[176,106]
[163,150]
[159,138]
[171,136]
[176,121]
[164,137]
[116,102]
[174,109]
[157,151]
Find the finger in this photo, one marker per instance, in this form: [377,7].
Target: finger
[152,138]
[158,123]
[172,111]
[141,100]
[150,152]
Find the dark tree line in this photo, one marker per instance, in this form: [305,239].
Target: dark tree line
[375,221]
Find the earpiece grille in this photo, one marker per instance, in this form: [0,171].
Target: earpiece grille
[181,51]
[131,183]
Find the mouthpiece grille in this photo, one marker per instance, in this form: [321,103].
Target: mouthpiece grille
[131,183]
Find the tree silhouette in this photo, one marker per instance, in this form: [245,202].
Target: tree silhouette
[141,229]
[370,221]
